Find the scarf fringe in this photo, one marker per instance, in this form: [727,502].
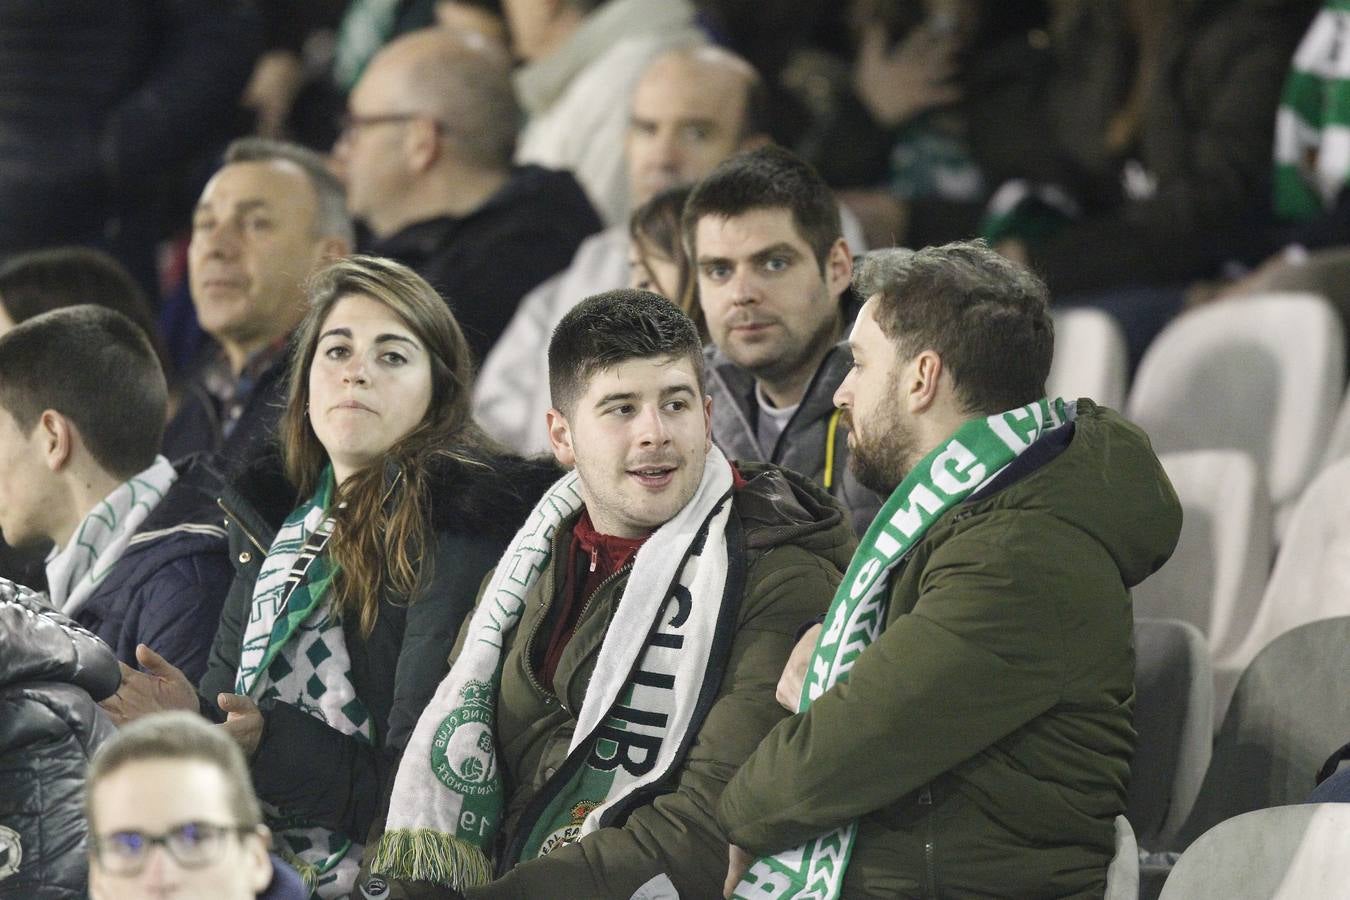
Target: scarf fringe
[425,854]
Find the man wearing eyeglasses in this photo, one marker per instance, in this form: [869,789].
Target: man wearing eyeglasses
[172,814]
[426,156]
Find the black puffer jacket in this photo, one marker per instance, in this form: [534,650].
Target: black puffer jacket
[51,672]
[303,766]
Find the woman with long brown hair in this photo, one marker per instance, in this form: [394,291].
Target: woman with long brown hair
[359,545]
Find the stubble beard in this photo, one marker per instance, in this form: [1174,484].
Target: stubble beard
[881,457]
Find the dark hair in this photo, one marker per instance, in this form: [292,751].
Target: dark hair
[614,327]
[380,539]
[768,178]
[42,280]
[95,367]
[987,317]
[656,224]
[331,218]
[178,735]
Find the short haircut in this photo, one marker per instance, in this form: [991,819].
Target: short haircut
[988,318]
[757,112]
[464,82]
[183,736]
[768,178]
[42,280]
[95,367]
[611,328]
[331,218]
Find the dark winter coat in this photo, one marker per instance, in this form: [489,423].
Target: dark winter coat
[302,766]
[169,585]
[197,428]
[983,741]
[808,442]
[51,673]
[1204,140]
[485,262]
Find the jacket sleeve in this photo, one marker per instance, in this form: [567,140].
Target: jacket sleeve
[179,609]
[205,53]
[222,663]
[334,780]
[48,733]
[514,375]
[978,657]
[678,834]
[1223,166]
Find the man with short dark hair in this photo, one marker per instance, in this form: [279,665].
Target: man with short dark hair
[425,154]
[172,814]
[140,556]
[964,716]
[773,278]
[693,107]
[620,661]
[264,221]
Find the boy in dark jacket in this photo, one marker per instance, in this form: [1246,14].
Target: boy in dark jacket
[140,553]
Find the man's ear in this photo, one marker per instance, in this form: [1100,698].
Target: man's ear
[331,247]
[707,422]
[421,144]
[560,438]
[838,268]
[55,437]
[921,381]
[259,863]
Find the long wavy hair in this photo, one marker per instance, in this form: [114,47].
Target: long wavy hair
[380,537]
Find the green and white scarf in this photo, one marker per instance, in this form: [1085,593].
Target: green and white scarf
[644,701]
[295,651]
[970,459]
[100,540]
[1312,125]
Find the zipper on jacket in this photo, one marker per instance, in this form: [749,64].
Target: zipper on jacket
[930,887]
[242,527]
[547,696]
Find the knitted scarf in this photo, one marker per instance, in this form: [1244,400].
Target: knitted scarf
[102,538]
[968,460]
[294,650]
[1312,125]
[653,681]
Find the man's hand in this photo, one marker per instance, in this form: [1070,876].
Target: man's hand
[794,673]
[161,686]
[896,84]
[738,861]
[243,721]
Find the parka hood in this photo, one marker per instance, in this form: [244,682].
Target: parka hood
[778,506]
[1107,483]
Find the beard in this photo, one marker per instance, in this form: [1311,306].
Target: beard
[880,457]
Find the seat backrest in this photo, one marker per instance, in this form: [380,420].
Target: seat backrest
[1311,578]
[1122,875]
[1217,574]
[1263,374]
[1284,853]
[1173,712]
[1291,709]
[1090,359]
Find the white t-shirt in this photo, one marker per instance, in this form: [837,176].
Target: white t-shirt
[772,420]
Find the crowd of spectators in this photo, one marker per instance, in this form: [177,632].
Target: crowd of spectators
[295,331]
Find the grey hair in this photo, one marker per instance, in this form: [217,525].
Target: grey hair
[331,218]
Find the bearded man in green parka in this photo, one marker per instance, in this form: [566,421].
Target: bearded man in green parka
[964,723]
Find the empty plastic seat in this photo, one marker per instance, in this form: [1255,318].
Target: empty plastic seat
[1290,711]
[1173,715]
[1090,360]
[1262,374]
[1217,574]
[1285,853]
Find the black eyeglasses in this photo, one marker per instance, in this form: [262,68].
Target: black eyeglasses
[192,845]
[350,123]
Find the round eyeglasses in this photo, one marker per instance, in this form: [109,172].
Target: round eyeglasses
[192,845]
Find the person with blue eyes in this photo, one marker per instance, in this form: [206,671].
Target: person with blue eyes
[773,272]
[359,545]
